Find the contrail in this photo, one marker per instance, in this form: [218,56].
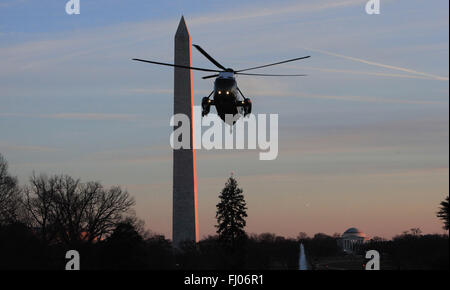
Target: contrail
[394,75]
[436,77]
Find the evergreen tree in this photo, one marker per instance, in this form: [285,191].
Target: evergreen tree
[231,214]
[443,213]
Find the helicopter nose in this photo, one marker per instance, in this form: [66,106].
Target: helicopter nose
[224,92]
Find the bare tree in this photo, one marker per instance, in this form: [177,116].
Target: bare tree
[377,239]
[302,236]
[10,195]
[416,232]
[66,210]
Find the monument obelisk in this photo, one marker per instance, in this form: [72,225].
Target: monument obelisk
[185,218]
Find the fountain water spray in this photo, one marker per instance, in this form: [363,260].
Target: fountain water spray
[302,263]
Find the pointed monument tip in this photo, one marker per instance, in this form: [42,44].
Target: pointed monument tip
[182,22]
[182,28]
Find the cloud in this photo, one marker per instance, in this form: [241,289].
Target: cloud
[93,116]
[153,91]
[244,14]
[12,3]
[30,148]
[432,76]
[379,74]
[77,116]
[373,99]
[277,88]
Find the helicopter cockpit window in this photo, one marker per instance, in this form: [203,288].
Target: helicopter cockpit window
[225,84]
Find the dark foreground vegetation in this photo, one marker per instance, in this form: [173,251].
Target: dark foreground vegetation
[40,222]
[126,249]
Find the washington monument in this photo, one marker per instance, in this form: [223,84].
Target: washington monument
[185,217]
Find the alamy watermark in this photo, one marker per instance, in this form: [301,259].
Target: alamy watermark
[374,262]
[74,262]
[373,7]
[73,7]
[251,132]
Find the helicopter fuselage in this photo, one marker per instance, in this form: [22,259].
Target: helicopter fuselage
[226,95]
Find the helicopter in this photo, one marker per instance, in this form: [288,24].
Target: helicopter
[227,97]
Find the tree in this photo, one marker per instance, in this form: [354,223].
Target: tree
[443,213]
[21,249]
[302,236]
[125,248]
[10,195]
[66,210]
[231,214]
[322,245]
[416,232]
[377,239]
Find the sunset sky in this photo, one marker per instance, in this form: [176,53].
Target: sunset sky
[363,139]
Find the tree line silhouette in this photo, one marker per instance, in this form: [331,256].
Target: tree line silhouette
[41,221]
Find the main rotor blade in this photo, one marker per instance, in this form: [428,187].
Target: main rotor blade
[202,51]
[175,65]
[210,76]
[269,75]
[285,61]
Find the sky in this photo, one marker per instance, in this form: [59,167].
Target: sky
[363,139]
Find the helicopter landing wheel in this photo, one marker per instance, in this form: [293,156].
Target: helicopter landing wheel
[206,106]
[247,107]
